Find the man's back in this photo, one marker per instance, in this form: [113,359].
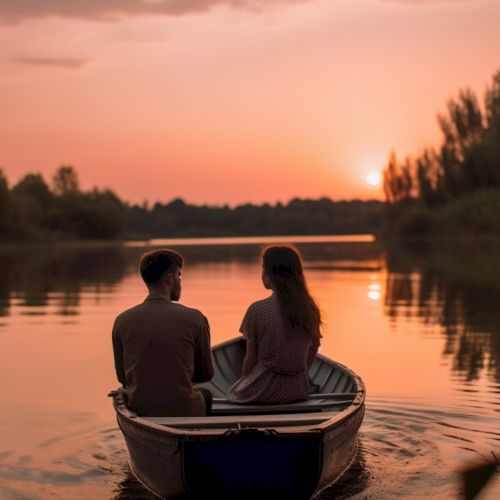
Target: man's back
[160,349]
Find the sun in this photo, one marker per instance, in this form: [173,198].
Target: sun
[373,179]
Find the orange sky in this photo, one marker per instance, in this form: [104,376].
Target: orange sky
[233,100]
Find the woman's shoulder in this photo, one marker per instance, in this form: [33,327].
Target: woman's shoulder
[262,305]
[263,309]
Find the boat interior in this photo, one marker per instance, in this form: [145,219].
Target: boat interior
[334,388]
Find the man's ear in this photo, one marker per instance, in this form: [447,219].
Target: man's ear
[169,279]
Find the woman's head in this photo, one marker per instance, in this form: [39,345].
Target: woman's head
[281,263]
[282,272]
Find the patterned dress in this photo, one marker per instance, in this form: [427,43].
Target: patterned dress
[280,374]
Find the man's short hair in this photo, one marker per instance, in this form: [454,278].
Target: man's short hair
[156,263]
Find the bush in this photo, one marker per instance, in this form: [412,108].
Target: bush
[477,213]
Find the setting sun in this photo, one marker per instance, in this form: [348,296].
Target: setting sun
[373,179]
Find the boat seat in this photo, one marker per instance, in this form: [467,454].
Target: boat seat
[243,421]
[225,407]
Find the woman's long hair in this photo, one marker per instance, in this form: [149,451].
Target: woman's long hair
[283,266]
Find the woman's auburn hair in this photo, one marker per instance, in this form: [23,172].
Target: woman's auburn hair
[283,266]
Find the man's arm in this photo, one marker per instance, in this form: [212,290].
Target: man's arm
[118,354]
[203,367]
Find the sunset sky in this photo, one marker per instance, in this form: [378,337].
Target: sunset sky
[230,101]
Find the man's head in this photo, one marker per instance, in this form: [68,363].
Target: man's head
[161,270]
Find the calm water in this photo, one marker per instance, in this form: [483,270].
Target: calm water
[421,327]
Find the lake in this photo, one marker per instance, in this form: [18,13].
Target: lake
[421,326]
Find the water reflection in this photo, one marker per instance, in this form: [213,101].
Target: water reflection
[31,277]
[414,312]
[374,291]
[456,288]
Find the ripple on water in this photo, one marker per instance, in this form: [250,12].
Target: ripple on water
[71,466]
[405,448]
[405,451]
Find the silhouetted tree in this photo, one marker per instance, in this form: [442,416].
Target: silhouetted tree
[65,181]
[99,215]
[34,186]
[492,133]
[398,180]
[30,204]
[466,161]
[35,212]
[429,178]
[4,200]
[299,216]
[30,211]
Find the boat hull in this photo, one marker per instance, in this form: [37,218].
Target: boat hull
[339,446]
[155,459]
[250,463]
[241,463]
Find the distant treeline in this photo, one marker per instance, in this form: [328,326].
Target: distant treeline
[33,210]
[455,188]
[322,216]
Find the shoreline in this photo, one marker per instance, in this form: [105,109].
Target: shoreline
[198,240]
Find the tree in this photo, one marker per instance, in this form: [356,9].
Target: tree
[492,136]
[398,179]
[428,178]
[65,181]
[4,202]
[30,206]
[33,186]
[467,160]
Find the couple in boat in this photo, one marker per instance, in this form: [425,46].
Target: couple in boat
[161,348]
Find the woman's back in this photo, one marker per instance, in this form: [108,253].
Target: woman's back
[280,374]
[279,350]
[282,333]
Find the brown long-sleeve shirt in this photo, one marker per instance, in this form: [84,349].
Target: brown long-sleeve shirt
[161,348]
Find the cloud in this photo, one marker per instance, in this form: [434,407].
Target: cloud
[63,62]
[12,11]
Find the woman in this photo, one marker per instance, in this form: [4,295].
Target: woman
[282,334]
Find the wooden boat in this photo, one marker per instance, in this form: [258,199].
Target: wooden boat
[240,451]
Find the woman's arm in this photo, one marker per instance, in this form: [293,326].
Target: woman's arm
[250,357]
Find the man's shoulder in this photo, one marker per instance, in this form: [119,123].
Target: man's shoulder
[173,308]
[128,313]
[188,312]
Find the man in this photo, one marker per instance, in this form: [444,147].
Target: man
[161,348]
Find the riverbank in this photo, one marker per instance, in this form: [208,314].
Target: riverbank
[474,215]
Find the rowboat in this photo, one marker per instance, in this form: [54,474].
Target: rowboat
[288,451]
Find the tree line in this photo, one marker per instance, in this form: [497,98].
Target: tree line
[298,216]
[34,210]
[464,166]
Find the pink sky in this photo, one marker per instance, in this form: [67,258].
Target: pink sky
[232,101]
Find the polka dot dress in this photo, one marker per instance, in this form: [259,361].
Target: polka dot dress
[280,374]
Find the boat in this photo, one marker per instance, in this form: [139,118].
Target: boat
[290,451]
